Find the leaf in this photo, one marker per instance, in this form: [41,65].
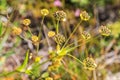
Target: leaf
[24,65]
[5,37]
[44,75]
[1,28]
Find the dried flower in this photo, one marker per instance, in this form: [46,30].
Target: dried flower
[49,78]
[104,30]
[35,39]
[59,39]
[51,33]
[60,15]
[44,12]
[26,22]
[89,63]
[86,35]
[16,31]
[84,16]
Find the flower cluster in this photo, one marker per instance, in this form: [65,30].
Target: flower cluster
[35,39]
[84,16]
[16,31]
[104,30]
[86,35]
[89,63]
[55,65]
[59,39]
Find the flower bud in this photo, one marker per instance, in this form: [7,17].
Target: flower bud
[26,22]
[44,12]
[51,33]
[35,39]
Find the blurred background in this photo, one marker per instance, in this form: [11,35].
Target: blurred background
[105,50]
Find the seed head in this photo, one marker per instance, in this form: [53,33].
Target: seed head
[59,39]
[104,30]
[26,22]
[84,16]
[44,12]
[35,39]
[16,31]
[51,33]
[86,35]
[89,63]
[60,15]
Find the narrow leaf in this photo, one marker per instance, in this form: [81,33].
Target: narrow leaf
[24,65]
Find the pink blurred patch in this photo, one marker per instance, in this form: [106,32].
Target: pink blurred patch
[77,12]
[57,3]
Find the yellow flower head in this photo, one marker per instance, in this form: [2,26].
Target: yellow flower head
[89,63]
[86,35]
[59,39]
[60,15]
[49,78]
[84,16]
[35,39]
[16,31]
[51,33]
[37,59]
[104,30]
[26,22]
[44,12]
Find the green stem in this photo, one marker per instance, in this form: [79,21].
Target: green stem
[71,49]
[73,43]
[75,58]
[42,22]
[72,33]
[46,61]
[29,30]
[57,27]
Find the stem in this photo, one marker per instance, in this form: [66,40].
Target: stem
[72,33]
[73,43]
[46,61]
[29,30]
[94,75]
[71,49]
[75,58]
[57,27]
[39,33]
